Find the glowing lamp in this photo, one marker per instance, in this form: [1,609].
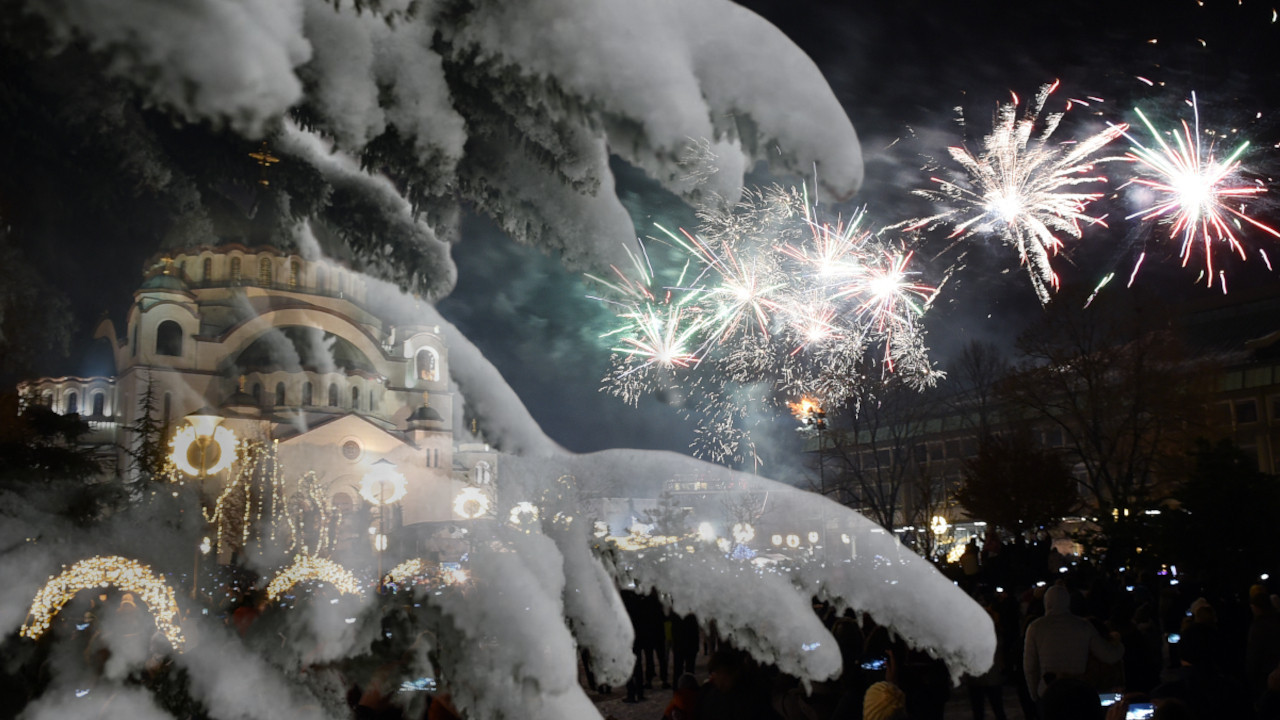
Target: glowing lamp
[382,485]
[520,511]
[939,525]
[203,446]
[471,503]
[706,533]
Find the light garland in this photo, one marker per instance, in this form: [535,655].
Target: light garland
[522,510]
[310,567]
[743,533]
[418,571]
[101,571]
[254,487]
[471,503]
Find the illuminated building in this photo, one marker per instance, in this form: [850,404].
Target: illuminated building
[291,350]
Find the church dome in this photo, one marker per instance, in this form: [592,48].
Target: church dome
[164,281]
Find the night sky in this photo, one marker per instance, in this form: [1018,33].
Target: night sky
[900,69]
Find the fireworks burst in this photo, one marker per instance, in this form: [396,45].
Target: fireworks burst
[770,303]
[1023,190]
[1193,189]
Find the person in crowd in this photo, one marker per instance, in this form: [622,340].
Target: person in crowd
[884,701]
[635,684]
[986,688]
[1199,683]
[1059,645]
[728,693]
[1070,699]
[1268,705]
[684,702]
[969,563]
[684,644]
[651,633]
[1262,645]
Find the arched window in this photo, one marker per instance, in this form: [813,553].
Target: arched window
[279,393]
[355,398]
[264,272]
[73,404]
[169,338]
[235,268]
[428,370]
[482,474]
[295,272]
[207,274]
[168,406]
[257,393]
[99,404]
[306,393]
[333,394]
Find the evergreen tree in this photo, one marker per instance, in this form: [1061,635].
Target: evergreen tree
[147,451]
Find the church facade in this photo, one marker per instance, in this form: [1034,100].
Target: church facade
[286,350]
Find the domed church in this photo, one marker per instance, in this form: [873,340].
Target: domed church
[286,349]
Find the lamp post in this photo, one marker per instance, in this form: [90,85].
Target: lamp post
[202,447]
[382,486]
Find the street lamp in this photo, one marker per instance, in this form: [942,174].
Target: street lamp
[382,486]
[203,446]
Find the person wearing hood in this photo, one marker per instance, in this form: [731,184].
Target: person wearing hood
[1059,644]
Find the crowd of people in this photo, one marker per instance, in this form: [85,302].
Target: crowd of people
[1075,641]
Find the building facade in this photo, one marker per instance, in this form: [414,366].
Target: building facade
[286,350]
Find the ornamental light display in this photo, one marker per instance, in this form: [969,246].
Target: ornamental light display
[471,503]
[203,446]
[102,571]
[310,567]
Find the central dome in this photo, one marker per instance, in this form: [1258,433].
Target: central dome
[295,348]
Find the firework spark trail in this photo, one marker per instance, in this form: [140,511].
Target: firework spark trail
[1023,191]
[1193,188]
[776,304]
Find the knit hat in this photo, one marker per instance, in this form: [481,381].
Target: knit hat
[883,701]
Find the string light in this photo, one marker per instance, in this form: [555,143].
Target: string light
[101,571]
[418,571]
[310,567]
[522,510]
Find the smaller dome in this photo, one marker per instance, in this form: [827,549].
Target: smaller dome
[163,281]
[425,413]
[241,399]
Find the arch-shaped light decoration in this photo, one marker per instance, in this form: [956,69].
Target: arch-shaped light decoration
[793,541]
[191,434]
[383,485]
[418,570]
[743,533]
[310,567]
[813,536]
[100,571]
[471,503]
[522,512]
